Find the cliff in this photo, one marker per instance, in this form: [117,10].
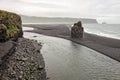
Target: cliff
[10,26]
[20,58]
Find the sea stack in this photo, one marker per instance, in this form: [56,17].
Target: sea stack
[10,26]
[77,30]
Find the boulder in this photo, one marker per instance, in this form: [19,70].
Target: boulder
[10,26]
[77,30]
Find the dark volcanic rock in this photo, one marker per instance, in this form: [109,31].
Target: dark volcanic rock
[6,49]
[3,32]
[77,30]
[20,60]
[26,63]
[10,25]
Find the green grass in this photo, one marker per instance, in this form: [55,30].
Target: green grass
[12,22]
[12,32]
[3,27]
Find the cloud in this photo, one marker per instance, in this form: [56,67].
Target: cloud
[62,8]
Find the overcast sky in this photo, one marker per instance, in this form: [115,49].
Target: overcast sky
[105,10]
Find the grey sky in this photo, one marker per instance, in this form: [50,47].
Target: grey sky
[105,10]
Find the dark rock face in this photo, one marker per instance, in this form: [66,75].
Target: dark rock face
[77,30]
[6,49]
[3,32]
[12,25]
[25,64]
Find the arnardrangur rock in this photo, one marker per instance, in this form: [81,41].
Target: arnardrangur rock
[10,26]
[77,30]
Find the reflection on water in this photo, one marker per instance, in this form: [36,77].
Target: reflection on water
[66,60]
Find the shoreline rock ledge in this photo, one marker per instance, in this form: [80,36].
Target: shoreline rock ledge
[20,58]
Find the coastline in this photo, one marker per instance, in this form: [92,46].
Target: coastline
[107,46]
[24,62]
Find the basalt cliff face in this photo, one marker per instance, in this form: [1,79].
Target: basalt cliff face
[10,26]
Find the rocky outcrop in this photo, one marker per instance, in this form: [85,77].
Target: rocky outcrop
[6,49]
[25,64]
[3,32]
[10,26]
[77,30]
[20,60]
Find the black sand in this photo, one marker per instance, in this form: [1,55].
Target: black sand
[107,46]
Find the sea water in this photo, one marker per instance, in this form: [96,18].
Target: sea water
[106,30]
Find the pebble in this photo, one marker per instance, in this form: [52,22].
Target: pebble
[26,65]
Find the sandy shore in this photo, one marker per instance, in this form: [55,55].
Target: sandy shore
[104,45]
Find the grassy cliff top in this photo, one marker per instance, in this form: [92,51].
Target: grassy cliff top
[13,24]
[5,13]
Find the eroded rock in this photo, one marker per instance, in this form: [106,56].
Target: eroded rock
[3,32]
[77,30]
[25,64]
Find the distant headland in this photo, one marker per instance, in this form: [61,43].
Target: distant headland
[67,20]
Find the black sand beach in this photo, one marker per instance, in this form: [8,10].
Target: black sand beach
[107,46]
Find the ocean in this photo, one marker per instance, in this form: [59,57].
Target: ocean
[106,30]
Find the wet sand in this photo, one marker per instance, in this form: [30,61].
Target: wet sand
[107,46]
